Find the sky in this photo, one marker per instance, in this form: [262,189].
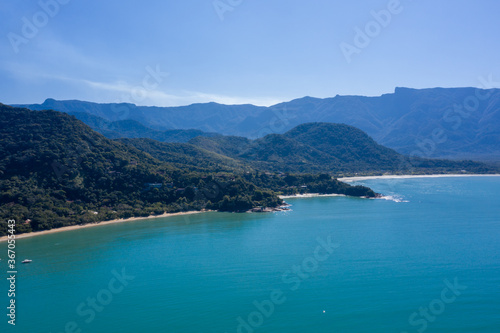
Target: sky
[169,53]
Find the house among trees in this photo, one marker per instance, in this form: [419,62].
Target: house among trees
[149,186]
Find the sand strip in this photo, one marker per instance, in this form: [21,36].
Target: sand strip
[354,179]
[89,225]
[307,195]
[310,195]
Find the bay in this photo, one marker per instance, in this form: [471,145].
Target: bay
[425,259]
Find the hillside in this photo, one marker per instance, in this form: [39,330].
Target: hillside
[133,129]
[188,156]
[337,149]
[56,171]
[405,120]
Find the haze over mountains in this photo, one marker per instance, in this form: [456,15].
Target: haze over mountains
[457,123]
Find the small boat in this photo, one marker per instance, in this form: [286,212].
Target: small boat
[27,261]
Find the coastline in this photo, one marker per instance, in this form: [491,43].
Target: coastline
[310,195]
[353,179]
[90,225]
[356,178]
[306,195]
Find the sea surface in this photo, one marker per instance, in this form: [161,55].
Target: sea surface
[425,259]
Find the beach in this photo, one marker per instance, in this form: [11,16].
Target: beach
[307,195]
[384,256]
[89,225]
[354,179]
[310,195]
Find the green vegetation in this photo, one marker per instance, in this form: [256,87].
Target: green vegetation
[337,149]
[55,171]
[292,184]
[188,157]
[405,120]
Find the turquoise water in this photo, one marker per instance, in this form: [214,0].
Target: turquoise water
[390,259]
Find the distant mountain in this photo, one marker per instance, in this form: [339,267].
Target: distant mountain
[436,123]
[458,123]
[133,129]
[208,117]
[332,148]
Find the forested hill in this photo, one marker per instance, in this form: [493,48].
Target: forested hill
[468,118]
[56,171]
[189,157]
[335,148]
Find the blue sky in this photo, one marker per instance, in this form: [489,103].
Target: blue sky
[169,52]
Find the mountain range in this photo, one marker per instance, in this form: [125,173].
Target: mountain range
[455,123]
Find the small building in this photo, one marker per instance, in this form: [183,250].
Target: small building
[152,185]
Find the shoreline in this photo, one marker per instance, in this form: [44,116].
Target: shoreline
[306,195]
[96,224]
[310,195]
[354,179]
[360,178]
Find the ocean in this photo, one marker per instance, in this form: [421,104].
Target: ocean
[424,259]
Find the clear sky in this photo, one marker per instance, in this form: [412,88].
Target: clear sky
[241,51]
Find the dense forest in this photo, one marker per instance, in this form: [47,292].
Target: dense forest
[55,171]
[337,149]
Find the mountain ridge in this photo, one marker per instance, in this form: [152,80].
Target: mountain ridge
[337,149]
[403,120]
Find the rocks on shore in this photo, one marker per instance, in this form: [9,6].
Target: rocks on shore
[268,209]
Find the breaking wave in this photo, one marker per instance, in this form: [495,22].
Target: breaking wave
[395,198]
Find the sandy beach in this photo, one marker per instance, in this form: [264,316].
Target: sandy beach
[90,225]
[307,195]
[310,195]
[353,179]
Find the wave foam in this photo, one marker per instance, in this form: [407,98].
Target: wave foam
[395,198]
